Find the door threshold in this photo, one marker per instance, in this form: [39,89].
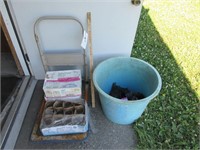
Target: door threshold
[12,125]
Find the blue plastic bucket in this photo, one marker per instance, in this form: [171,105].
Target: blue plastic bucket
[132,73]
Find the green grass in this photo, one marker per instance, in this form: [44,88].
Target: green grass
[168,37]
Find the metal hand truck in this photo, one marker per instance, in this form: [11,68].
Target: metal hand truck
[72,58]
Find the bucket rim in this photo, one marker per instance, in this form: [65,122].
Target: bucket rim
[150,97]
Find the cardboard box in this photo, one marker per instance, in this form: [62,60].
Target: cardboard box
[62,84]
[61,117]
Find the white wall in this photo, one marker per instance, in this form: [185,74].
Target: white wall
[114,24]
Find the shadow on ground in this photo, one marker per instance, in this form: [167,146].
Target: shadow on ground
[170,121]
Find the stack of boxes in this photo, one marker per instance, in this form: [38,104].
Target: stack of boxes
[65,112]
[62,85]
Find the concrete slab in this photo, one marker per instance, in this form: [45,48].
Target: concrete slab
[103,134]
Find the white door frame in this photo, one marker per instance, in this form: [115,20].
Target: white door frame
[9,26]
